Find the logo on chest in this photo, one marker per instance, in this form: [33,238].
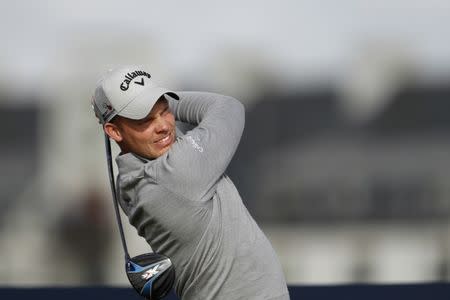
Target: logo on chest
[194,144]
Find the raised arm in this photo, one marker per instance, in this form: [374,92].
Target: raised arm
[199,158]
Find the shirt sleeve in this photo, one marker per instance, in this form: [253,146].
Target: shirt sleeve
[199,158]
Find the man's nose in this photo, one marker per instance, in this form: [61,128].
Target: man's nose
[161,125]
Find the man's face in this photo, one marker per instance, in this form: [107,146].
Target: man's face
[150,137]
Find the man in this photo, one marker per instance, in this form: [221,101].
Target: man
[174,190]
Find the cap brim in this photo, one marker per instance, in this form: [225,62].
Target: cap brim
[141,106]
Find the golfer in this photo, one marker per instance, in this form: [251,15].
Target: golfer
[174,190]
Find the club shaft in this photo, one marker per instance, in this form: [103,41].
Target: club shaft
[114,195]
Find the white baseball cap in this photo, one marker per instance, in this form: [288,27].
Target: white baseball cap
[127,91]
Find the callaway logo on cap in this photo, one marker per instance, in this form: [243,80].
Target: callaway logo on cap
[128,92]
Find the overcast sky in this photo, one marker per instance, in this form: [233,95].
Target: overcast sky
[296,36]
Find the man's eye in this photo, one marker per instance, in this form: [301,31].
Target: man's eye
[144,121]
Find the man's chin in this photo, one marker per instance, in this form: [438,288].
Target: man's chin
[164,149]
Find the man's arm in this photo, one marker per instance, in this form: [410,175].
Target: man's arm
[199,158]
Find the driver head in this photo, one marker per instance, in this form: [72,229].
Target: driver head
[152,275]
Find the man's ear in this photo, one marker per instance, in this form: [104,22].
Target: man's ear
[113,132]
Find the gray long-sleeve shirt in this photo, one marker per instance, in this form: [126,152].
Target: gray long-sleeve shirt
[186,208]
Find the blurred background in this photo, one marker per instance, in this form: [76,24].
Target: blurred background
[344,162]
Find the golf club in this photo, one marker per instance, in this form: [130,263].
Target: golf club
[152,275]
